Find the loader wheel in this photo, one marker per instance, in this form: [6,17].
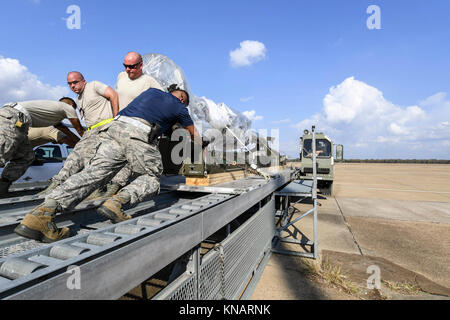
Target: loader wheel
[327,189]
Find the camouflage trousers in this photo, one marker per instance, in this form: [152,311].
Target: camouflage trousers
[15,149]
[82,155]
[119,144]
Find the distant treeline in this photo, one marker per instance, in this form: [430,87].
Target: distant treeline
[426,161]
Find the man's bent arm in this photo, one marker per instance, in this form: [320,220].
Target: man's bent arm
[66,140]
[72,139]
[77,125]
[194,134]
[113,97]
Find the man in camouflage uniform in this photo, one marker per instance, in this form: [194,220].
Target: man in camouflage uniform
[130,84]
[98,104]
[129,139]
[15,121]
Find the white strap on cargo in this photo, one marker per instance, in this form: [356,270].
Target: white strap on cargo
[134,122]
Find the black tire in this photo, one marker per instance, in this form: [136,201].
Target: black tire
[327,188]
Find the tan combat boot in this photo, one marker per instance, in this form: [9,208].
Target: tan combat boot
[97,194]
[111,190]
[112,209]
[104,192]
[38,225]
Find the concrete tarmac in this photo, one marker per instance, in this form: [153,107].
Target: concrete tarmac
[392,216]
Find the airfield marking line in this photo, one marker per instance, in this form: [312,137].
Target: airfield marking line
[348,227]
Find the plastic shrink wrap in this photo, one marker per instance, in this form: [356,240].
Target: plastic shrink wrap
[206,114]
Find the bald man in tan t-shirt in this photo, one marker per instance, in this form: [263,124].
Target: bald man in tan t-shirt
[96,101]
[98,104]
[130,84]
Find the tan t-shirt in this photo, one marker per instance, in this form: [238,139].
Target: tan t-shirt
[40,136]
[45,113]
[93,105]
[128,89]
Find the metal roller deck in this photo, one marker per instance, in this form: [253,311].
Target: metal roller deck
[115,258]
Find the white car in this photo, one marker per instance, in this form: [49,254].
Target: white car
[49,160]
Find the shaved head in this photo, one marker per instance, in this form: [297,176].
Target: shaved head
[133,65]
[132,58]
[76,74]
[76,82]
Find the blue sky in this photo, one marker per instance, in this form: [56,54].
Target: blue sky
[381,93]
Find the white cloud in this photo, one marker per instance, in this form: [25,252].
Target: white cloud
[382,139]
[251,115]
[444,124]
[17,83]
[358,116]
[352,100]
[434,99]
[246,99]
[360,145]
[397,129]
[248,53]
[281,121]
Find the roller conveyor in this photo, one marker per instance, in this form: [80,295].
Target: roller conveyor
[44,259]
[26,263]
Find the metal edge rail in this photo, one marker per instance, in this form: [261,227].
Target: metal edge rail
[114,269]
[222,188]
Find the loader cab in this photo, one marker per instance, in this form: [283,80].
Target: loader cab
[324,160]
